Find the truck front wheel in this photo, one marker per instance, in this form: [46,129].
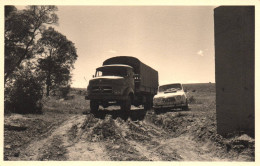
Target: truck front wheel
[93,106]
[126,105]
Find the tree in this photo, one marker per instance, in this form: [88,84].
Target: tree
[21,29]
[58,55]
[9,10]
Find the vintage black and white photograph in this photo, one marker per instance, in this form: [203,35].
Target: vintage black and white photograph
[129,83]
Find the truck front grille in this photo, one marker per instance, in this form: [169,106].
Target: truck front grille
[102,89]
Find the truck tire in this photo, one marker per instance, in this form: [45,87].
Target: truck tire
[149,103]
[126,105]
[146,106]
[93,106]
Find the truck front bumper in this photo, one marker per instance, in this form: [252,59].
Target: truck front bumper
[105,97]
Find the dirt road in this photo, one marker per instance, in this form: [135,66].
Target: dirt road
[117,138]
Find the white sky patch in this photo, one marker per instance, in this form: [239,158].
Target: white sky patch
[193,81]
[163,82]
[131,22]
[200,52]
[112,51]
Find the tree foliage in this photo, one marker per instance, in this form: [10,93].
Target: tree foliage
[25,94]
[58,55]
[9,10]
[21,29]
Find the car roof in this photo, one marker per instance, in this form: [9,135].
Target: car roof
[170,84]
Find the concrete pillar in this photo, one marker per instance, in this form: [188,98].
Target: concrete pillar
[234,67]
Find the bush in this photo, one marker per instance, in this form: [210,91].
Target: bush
[24,94]
[64,91]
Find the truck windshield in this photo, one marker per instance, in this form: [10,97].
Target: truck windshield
[111,71]
[171,87]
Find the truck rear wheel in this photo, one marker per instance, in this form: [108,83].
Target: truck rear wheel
[149,103]
[146,106]
[126,105]
[93,106]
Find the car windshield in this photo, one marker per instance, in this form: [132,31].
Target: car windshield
[170,88]
[111,71]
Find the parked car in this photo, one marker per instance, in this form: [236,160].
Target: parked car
[170,96]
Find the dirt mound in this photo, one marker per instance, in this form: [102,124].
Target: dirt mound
[175,124]
[112,137]
[202,129]
[105,130]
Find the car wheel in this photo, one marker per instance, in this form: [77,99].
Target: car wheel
[186,107]
[157,110]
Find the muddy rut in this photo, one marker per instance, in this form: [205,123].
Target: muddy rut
[108,137]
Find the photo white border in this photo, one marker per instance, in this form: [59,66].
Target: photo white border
[256,3]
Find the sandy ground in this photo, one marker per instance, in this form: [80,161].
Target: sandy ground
[66,131]
[107,138]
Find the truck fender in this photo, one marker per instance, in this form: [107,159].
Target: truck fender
[128,91]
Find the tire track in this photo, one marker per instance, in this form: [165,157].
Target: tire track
[38,150]
[88,138]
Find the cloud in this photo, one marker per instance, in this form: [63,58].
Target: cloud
[112,51]
[200,52]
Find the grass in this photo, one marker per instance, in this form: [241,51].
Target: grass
[77,105]
[200,87]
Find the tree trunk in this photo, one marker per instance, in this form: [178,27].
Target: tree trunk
[48,87]
[48,81]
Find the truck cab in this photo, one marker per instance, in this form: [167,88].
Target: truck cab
[111,85]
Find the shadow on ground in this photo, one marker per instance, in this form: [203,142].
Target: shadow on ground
[171,110]
[134,115]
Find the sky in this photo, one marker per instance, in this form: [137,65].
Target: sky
[177,41]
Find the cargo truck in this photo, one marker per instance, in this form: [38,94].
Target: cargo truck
[123,81]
